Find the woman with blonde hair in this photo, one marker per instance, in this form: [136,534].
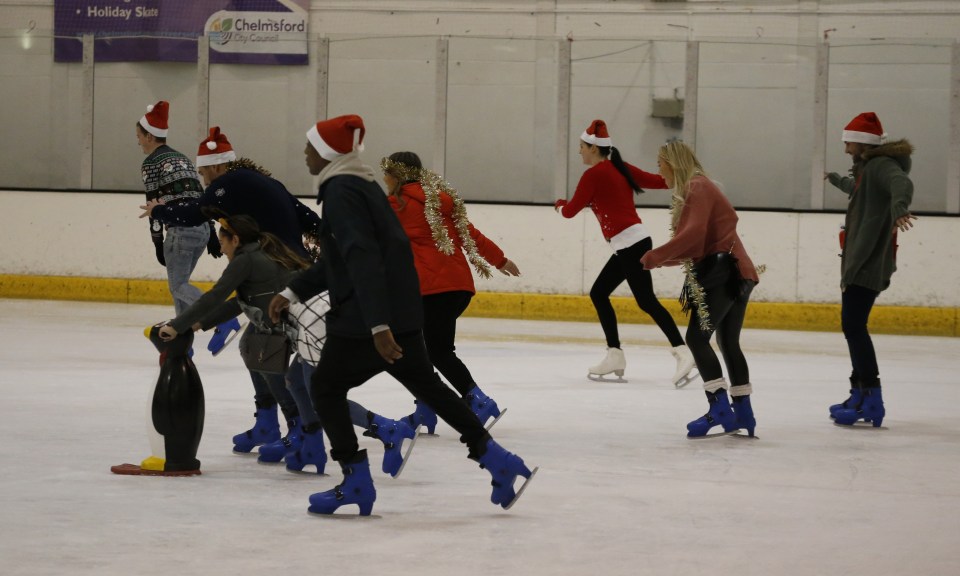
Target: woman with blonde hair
[719,279]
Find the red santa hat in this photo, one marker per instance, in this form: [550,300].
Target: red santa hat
[155,120]
[337,136]
[216,149]
[865,129]
[596,134]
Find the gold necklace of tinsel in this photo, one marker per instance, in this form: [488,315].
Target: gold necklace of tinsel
[433,185]
[693,294]
[244,162]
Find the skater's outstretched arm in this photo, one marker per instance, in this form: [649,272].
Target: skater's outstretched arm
[222,313]
[235,273]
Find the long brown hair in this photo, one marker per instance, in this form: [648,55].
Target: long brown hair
[247,229]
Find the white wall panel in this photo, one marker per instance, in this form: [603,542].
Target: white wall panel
[90,234]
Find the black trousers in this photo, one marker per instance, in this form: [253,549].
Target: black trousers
[346,363]
[726,297]
[440,313]
[625,265]
[856,304]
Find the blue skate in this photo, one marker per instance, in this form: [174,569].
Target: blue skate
[266,429]
[274,452]
[222,335]
[504,467]
[719,414]
[392,433]
[356,488]
[869,410]
[311,451]
[484,407]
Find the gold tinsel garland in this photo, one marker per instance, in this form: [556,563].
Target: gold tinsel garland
[695,292]
[433,185]
[244,162]
[312,245]
[692,289]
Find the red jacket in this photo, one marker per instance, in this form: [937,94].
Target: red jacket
[707,225]
[439,272]
[607,192]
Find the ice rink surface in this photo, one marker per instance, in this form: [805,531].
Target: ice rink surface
[621,490]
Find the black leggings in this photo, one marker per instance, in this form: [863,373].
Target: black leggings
[726,307]
[346,363]
[440,313]
[625,265]
[857,302]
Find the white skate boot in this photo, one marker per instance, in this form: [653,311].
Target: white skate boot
[613,363]
[685,365]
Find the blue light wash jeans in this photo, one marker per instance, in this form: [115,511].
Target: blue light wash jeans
[182,249]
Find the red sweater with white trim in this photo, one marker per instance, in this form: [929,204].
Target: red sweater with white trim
[608,194]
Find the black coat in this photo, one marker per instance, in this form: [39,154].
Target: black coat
[367,263]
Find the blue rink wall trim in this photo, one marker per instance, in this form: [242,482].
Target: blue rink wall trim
[906,320]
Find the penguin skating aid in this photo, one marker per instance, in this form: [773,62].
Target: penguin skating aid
[175,412]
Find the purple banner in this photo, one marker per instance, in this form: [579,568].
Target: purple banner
[240,31]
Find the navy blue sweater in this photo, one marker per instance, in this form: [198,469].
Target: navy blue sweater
[246,191]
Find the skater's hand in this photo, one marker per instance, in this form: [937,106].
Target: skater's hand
[213,243]
[646,266]
[277,307]
[559,204]
[167,333]
[387,347]
[509,268]
[904,222]
[149,206]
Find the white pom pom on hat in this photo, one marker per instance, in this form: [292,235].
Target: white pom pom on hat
[596,134]
[215,149]
[155,120]
[337,136]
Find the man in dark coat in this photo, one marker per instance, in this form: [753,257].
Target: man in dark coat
[375,320]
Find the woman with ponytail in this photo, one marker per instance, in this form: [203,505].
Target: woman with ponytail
[608,187]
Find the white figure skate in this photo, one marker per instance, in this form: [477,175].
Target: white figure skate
[685,366]
[613,363]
